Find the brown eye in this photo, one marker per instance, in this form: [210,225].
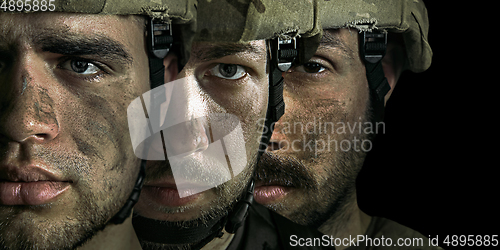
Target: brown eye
[228,71]
[312,67]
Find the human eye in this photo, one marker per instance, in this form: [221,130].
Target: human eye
[310,67]
[80,67]
[83,68]
[228,71]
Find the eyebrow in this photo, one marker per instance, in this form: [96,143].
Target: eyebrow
[72,44]
[333,41]
[216,51]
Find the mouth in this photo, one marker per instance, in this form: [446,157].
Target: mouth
[267,192]
[165,193]
[30,185]
[277,175]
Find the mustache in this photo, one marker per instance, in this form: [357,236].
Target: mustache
[284,171]
[202,170]
[158,170]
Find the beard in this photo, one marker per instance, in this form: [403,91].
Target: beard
[68,222]
[32,233]
[321,196]
[324,182]
[227,195]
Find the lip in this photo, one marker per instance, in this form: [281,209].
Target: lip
[30,193]
[165,193]
[30,173]
[270,192]
[29,185]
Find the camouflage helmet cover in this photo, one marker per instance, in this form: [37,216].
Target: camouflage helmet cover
[182,11]
[247,20]
[408,17]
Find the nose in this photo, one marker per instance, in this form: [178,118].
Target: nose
[277,140]
[27,109]
[186,137]
[184,125]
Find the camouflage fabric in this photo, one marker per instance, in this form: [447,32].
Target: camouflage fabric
[181,11]
[247,20]
[408,17]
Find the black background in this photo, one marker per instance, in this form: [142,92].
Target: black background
[435,168]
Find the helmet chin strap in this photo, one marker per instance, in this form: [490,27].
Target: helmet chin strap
[125,211]
[282,54]
[173,233]
[159,41]
[373,46]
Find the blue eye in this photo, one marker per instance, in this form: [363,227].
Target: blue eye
[228,71]
[81,67]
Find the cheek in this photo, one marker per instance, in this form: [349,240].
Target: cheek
[251,115]
[314,107]
[99,130]
[249,104]
[99,126]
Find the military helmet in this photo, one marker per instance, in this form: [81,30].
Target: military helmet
[247,20]
[408,17]
[242,21]
[295,25]
[182,11]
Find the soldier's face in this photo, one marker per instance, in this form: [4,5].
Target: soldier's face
[318,146]
[224,86]
[66,162]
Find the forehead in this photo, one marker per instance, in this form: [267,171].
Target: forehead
[343,40]
[207,51]
[25,28]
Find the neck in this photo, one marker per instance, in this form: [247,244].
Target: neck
[347,222]
[120,236]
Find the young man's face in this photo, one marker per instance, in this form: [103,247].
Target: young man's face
[318,146]
[227,79]
[66,162]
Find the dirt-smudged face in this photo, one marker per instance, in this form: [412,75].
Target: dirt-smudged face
[218,79]
[66,162]
[318,146]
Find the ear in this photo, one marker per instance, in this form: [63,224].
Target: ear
[393,64]
[171,68]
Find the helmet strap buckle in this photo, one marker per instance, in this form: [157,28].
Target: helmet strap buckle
[160,38]
[373,49]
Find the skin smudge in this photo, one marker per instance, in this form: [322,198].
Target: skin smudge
[86,148]
[25,84]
